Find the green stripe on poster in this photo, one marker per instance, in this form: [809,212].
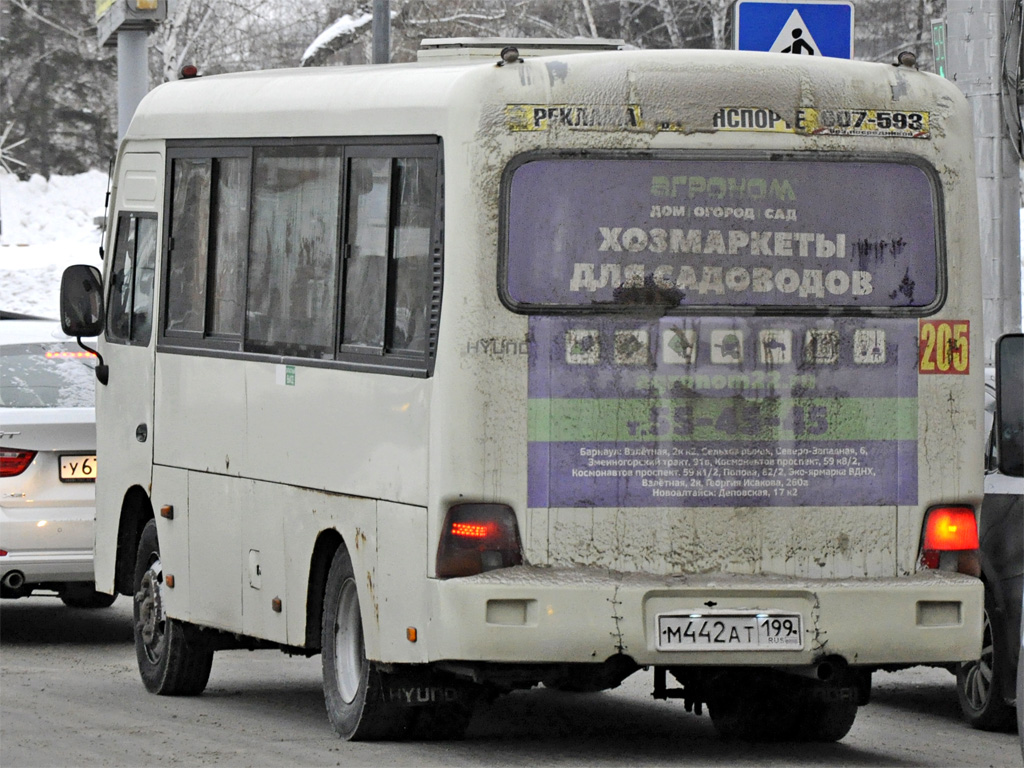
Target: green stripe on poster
[711,419]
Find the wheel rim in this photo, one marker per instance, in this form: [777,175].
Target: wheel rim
[978,674]
[149,613]
[348,643]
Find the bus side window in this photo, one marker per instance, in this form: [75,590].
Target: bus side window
[130,306]
[188,250]
[293,252]
[207,245]
[391,208]
[369,206]
[228,241]
[328,251]
[414,219]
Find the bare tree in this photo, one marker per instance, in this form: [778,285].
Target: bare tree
[56,87]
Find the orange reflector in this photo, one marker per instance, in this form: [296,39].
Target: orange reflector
[470,530]
[167,510]
[169,580]
[275,605]
[950,528]
[410,634]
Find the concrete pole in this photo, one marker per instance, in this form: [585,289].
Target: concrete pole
[381,31]
[974,46]
[132,75]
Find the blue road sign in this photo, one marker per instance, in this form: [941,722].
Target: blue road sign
[807,28]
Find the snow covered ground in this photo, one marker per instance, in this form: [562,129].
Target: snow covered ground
[45,226]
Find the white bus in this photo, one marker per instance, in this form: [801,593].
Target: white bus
[541,366]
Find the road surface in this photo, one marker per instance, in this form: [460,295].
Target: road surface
[70,695]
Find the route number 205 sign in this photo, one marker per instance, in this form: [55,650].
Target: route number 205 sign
[944,346]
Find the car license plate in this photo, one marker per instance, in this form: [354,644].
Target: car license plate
[79,468]
[760,631]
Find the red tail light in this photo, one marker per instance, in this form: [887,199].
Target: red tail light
[950,530]
[477,538]
[13,462]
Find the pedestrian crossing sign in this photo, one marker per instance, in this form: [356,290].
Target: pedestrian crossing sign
[809,28]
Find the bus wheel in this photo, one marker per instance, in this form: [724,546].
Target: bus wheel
[752,718]
[173,659]
[978,683]
[353,689]
[753,707]
[825,721]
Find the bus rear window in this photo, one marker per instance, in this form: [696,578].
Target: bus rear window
[689,234]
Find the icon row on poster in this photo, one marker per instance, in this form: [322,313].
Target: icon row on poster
[679,346]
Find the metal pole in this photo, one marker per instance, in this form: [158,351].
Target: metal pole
[381,31]
[974,46]
[132,75]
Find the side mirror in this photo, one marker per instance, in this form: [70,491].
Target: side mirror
[1010,404]
[81,301]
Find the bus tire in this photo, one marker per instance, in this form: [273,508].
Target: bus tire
[754,707]
[979,683]
[353,688]
[172,656]
[826,722]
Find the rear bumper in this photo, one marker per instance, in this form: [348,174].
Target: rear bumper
[49,566]
[541,615]
[53,545]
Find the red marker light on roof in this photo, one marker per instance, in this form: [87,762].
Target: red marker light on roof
[189,71]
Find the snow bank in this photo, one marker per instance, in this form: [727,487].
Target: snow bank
[45,226]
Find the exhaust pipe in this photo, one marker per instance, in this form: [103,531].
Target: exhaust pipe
[14,580]
[826,670]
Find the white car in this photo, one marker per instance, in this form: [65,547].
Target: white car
[47,464]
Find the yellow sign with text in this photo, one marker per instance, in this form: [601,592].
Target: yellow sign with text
[863,122]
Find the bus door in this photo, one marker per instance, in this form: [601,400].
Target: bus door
[130,263]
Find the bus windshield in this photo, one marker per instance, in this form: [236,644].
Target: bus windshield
[812,235]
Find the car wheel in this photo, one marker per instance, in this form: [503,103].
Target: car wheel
[84,596]
[979,683]
[173,659]
[353,690]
